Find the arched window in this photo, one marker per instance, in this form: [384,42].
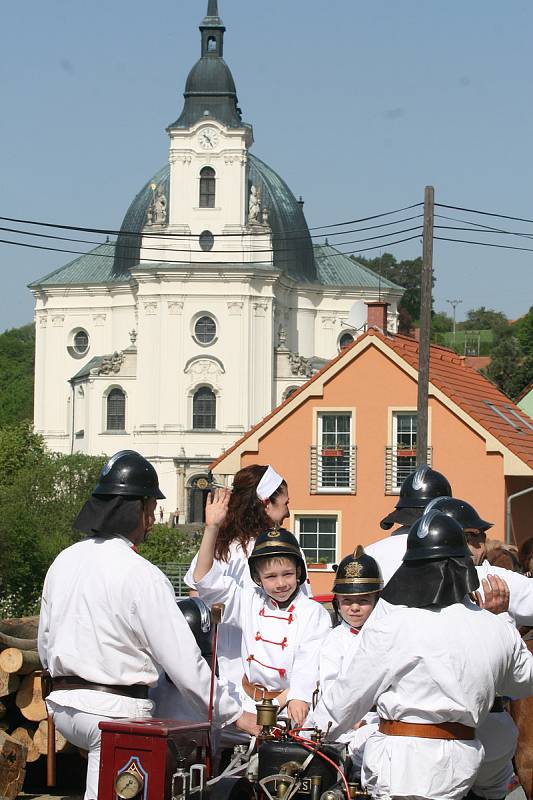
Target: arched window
[345,340]
[116,410]
[207,187]
[204,409]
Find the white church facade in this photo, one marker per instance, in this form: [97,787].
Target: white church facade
[211,306]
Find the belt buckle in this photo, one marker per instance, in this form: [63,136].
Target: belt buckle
[261,689]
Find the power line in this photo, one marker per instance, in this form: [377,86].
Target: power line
[484,213]
[479,225]
[485,244]
[477,230]
[278,251]
[183,263]
[366,219]
[112,232]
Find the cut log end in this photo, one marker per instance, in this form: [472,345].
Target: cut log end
[29,698]
[12,766]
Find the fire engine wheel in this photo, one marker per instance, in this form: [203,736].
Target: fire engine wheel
[232,789]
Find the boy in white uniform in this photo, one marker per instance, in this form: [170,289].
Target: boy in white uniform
[282,629]
[357,585]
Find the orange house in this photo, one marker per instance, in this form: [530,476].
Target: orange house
[347,438]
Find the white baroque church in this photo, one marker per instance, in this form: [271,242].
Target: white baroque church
[211,306]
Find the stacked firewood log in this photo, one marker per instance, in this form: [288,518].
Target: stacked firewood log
[23,719]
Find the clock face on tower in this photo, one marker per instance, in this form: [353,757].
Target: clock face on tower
[208,138]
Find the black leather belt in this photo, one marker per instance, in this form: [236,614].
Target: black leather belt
[138,691]
[498,706]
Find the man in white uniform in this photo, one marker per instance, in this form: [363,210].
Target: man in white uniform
[432,662]
[109,623]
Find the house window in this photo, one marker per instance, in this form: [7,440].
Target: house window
[318,538]
[207,187]
[404,428]
[116,410]
[205,330]
[335,455]
[204,409]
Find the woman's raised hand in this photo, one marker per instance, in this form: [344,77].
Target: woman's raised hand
[216,507]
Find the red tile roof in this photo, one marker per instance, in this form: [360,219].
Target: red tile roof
[466,387]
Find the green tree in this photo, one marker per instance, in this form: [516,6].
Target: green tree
[165,545]
[17,348]
[405,273]
[441,323]
[523,330]
[38,510]
[482,319]
[509,369]
[19,447]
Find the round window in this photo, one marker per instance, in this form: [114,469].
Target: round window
[81,342]
[345,340]
[205,330]
[206,240]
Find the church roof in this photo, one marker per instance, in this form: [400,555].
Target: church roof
[291,241]
[337,269]
[96,266]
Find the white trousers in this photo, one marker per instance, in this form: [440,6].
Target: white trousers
[498,735]
[81,729]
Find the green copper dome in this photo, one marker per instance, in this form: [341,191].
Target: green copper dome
[291,241]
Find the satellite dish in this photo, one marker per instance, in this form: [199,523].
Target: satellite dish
[356,316]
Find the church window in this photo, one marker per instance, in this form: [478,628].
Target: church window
[205,330]
[207,187]
[116,410]
[345,340]
[211,44]
[206,240]
[81,342]
[204,408]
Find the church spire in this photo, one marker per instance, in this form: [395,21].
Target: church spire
[212,30]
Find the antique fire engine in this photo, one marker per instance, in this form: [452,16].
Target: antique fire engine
[162,759]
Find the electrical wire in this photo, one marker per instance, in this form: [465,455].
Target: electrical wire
[484,244]
[278,250]
[480,227]
[484,213]
[366,219]
[111,232]
[189,263]
[477,230]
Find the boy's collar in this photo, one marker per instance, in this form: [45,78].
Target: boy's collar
[284,606]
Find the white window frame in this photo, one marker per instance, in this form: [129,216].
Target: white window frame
[298,516]
[334,412]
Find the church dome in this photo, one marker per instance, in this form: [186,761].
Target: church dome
[291,241]
[210,92]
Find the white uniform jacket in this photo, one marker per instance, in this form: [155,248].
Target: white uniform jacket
[389,552]
[339,648]
[426,666]
[280,647]
[109,616]
[229,635]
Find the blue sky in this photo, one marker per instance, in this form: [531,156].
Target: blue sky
[357,105]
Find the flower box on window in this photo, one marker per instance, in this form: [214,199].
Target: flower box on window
[333,451]
[406,453]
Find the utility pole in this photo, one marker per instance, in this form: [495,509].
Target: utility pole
[454,304]
[426,287]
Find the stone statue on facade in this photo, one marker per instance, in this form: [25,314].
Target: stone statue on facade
[254,206]
[160,207]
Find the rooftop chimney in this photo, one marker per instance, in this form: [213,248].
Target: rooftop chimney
[377,314]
